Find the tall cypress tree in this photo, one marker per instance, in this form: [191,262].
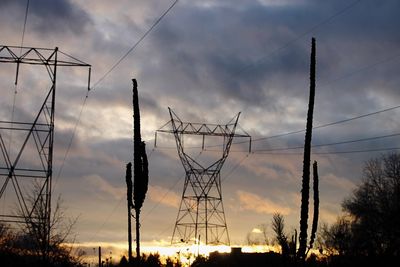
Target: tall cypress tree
[305,187]
[140,164]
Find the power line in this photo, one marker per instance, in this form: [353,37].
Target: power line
[332,123]
[109,215]
[386,60]
[25,20]
[122,58]
[135,45]
[16,78]
[315,27]
[334,152]
[71,139]
[180,178]
[163,197]
[317,153]
[298,37]
[364,68]
[107,219]
[303,130]
[103,77]
[357,117]
[262,151]
[326,125]
[358,151]
[330,144]
[97,83]
[120,201]
[168,191]
[169,227]
[235,167]
[144,36]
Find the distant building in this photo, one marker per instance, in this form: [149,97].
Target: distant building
[239,258]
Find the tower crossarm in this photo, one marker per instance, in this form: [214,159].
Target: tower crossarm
[37,56]
[180,128]
[194,128]
[190,128]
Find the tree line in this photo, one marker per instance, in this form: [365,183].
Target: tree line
[367,233]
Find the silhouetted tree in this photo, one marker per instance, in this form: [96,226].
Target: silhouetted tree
[173,263]
[152,260]
[7,239]
[264,228]
[375,207]
[31,245]
[251,239]
[305,188]
[35,232]
[199,261]
[278,226]
[140,164]
[123,262]
[259,237]
[293,244]
[337,238]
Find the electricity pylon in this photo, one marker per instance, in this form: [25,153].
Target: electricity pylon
[201,212]
[32,164]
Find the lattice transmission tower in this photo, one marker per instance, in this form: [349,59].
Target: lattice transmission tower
[26,141]
[201,213]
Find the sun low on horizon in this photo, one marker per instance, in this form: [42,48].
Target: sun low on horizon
[182,253]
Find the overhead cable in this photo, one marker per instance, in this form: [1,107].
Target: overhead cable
[135,45]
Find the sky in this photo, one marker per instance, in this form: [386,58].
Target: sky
[207,60]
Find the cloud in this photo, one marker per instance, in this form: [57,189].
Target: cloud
[338,182]
[50,17]
[55,17]
[275,168]
[209,60]
[328,216]
[253,202]
[100,185]
[163,196]
[256,231]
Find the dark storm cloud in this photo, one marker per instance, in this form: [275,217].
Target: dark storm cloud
[52,16]
[208,60]
[367,20]
[250,54]
[214,49]
[246,53]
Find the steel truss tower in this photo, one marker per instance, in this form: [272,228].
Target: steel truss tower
[32,165]
[201,213]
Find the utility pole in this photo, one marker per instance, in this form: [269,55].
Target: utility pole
[100,257]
